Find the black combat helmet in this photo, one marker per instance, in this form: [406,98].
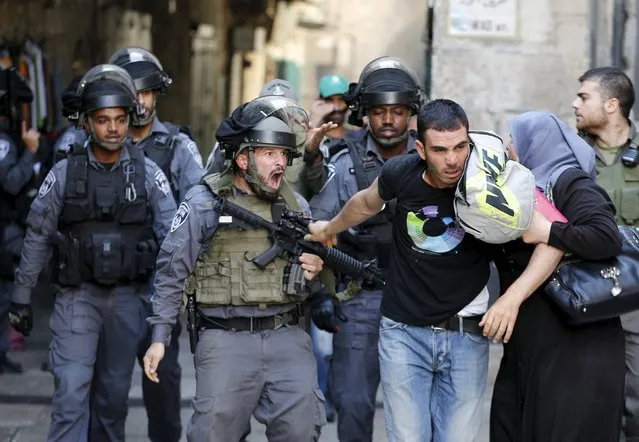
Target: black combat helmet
[144,67]
[147,73]
[105,86]
[385,80]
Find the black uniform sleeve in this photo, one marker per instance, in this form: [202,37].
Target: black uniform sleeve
[591,231]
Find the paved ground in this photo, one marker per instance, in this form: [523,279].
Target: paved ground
[25,399]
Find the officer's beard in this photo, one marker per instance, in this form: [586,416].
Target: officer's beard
[111,146]
[259,183]
[147,118]
[389,143]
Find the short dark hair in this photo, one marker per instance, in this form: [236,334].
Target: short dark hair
[442,115]
[614,83]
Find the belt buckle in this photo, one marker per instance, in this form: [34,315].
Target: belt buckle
[435,328]
[278,322]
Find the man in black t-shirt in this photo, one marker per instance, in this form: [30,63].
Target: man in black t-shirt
[433,356]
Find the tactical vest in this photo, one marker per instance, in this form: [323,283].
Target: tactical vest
[293,176]
[224,273]
[622,185]
[160,149]
[106,225]
[373,237]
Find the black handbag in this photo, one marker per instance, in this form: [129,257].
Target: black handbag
[588,291]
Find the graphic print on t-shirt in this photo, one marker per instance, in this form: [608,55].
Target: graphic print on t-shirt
[433,233]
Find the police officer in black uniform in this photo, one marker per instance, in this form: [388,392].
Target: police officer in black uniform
[18,147]
[388,93]
[104,210]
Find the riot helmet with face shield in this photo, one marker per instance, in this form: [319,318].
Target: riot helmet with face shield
[270,121]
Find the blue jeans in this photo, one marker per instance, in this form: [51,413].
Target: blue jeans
[434,382]
[323,350]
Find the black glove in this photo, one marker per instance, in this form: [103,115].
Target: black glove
[326,312]
[21,317]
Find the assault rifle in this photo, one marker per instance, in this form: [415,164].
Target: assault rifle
[287,238]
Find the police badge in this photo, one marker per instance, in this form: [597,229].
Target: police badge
[180,216]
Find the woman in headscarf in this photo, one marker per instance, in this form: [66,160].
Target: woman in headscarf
[557,382]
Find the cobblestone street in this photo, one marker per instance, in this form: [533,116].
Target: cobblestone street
[25,399]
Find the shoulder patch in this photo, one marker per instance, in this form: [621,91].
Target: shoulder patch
[180,216]
[47,184]
[162,182]
[5,147]
[192,147]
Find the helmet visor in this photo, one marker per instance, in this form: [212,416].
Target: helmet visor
[286,110]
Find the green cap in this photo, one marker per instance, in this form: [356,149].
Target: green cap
[330,85]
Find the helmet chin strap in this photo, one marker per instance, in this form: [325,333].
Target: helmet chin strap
[389,143]
[253,180]
[104,144]
[141,121]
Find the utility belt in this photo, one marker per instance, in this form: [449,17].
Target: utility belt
[253,324]
[462,324]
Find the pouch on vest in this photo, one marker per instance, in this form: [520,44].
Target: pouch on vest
[106,257]
[67,254]
[628,204]
[494,199]
[146,253]
[105,201]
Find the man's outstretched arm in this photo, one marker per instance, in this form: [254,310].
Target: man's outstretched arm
[358,209]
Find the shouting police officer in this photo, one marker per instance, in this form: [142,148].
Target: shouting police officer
[298,174]
[388,93]
[177,155]
[17,160]
[252,358]
[105,209]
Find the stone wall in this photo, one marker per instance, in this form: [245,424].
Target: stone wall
[495,79]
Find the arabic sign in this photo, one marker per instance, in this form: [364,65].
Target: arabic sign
[483,18]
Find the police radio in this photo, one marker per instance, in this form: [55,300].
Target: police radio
[630,157]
